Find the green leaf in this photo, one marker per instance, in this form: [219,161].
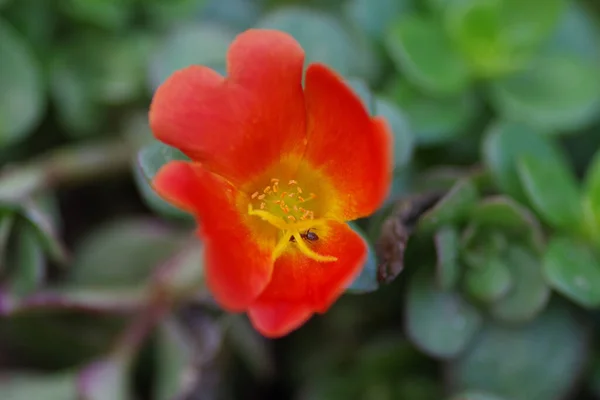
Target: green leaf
[504,144]
[452,208]
[29,386]
[529,292]
[591,198]
[553,191]
[203,44]
[541,360]
[366,281]
[441,324]
[448,267]
[26,261]
[556,93]
[156,154]
[500,36]
[573,270]
[175,357]
[22,97]
[324,39]
[433,120]
[420,49]
[374,17]
[475,395]
[504,214]
[577,33]
[404,141]
[122,253]
[109,14]
[488,282]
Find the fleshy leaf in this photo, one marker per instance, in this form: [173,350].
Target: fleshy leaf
[541,360]
[366,281]
[404,141]
[529,292]
[421,50]
[448,266]
[504,144]
[553,191]
[452,208]
[440,323]
[22,97]
[573,270]
[488,282]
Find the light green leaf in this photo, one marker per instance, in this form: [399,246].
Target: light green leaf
[433,120]
[556,93]
[591,198]
[488,282]
[441,324]
[504,144]
[420,49]
[529,292]
[22,97]
[573,270]
[553,191]
[25,261]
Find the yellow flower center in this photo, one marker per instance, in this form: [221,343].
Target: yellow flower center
[286,206]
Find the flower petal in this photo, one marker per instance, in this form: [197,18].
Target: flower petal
[346,144]
[279,319]
[238,264]
[301,281]
[237,126]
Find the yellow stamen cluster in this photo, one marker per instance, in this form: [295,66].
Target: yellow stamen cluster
[288,201]
[284,207]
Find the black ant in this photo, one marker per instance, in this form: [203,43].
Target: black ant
[308,235]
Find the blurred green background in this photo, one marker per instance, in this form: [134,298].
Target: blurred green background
[494,103]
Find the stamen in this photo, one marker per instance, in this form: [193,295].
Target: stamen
[283,194]
[291,218]
[291,194]
[292,182]
[299,189]
[275,180]
[301,199]
[254,195]
[267,189]
[261,197]
[263,205]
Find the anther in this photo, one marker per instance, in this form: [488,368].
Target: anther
[283,194]
[263,205]
[261,197]
[267,189]
[291,194]
[301,199]
[275,180]
[292,182]
[254,195]
[298,189]
[292,218]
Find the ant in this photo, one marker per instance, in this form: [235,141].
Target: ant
[308,235]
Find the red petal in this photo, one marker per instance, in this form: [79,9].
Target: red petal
[301,283]
[344,142]
[276,320]
[238,264]
[240,125]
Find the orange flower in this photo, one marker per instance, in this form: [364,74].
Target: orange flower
[276,171]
